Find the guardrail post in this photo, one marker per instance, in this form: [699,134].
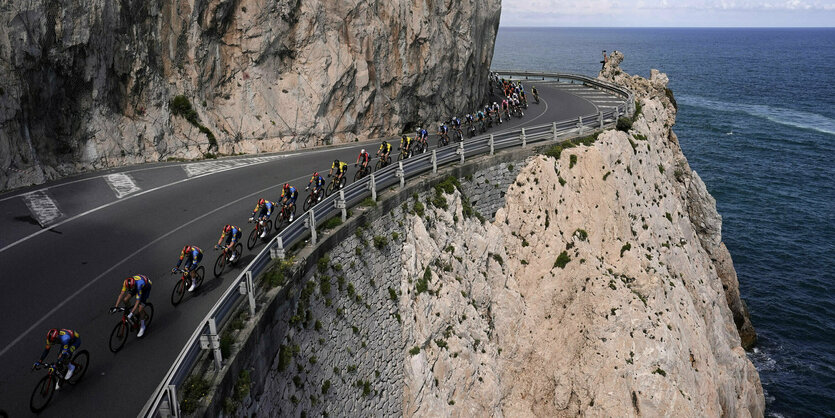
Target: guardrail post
[373,186]
[580,125]
[600,119]
[311,223]
[523,138]
[400,174]
[554,130]
[340,204]
[461,151]
[211,341]
[250,293]
[434,161]
[278,250]
[170,408]
[492,148]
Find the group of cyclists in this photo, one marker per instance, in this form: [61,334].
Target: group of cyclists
[139,286]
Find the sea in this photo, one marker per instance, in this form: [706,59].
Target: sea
[756,120]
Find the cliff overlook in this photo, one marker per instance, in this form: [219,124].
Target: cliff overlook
[89,85]
[589,279]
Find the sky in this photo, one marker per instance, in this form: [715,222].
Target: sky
[669,13]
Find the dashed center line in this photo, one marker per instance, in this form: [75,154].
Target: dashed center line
[122,184]
[42,207]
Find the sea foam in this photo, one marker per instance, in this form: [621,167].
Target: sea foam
[783,116]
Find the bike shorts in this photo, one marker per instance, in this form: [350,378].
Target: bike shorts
[191,264]
[291,200]
[235,238]
[146,292]
[263,213]
[68,350]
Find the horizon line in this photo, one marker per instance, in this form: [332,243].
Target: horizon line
[663,27]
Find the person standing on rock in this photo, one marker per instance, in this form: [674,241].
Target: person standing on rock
[605,60]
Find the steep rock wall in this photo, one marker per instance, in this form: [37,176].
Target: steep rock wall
[87,85]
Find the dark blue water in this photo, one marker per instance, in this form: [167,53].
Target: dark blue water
[757,122]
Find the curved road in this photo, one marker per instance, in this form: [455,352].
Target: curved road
[105,226]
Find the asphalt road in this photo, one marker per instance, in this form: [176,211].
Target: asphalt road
[69,274]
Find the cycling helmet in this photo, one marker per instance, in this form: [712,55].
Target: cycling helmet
[336,162]
[385,143]
[316,174]
[187,248]
[227,229]
[363,151]
[129,283]
[286,186]
[261,202]
[52,334]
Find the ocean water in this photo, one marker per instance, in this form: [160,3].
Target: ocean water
[757,122]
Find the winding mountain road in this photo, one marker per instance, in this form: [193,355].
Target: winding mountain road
[105,226]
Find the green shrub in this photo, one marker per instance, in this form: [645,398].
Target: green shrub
[562,260]
[194,389]
[638,110]
[414,351]
[672,98]
[380,242]
[660,370]
[280,272]
[626,247]
[441,343]
[605,176]
[226,342]
[392,294]
[422,284]
[368,203]
[332,223]
[325,285]
[239,392]
[572,160]
[439,201]
[326,385]
[624,124]
[448,185]
[660,168]
[582,234]
[498,259]
[419,209]
[322,263]
[395,235]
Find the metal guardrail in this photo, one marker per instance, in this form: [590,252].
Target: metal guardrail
[164,401]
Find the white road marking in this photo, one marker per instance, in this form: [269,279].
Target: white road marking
[208,167]
[42,207]
[122,184]
[123,259]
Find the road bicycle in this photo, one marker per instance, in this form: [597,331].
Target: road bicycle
[404,154]
[382,163]
[262,227]
[185,283]
[332,186]
[225,257]
[313,198]
[471,129]
[443,140]
[457,134]
[284,215]
[55,373]
[125,326]
[362,171]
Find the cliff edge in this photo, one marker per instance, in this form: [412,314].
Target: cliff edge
[98,84]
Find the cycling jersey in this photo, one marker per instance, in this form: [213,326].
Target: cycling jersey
[422,134]
[364,157]
[69,341]
[341,168]
[141,288]
[265,210]
[443,129]
[456,122]
[480,115]
[193,258]
[405,142]
[290,195]
[232,236]
[317,181]
[504,104]
[385,148]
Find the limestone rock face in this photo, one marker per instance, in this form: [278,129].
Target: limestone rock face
[602,288]
[87,85]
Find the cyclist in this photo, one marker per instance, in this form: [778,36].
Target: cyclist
[383,153]
[264,209]
[192,256]
[406,146]
[318,184]
[363,158]
[497,114]
[535,93]
[469,121]
[139,286]
[338,169]
[289,194]
[69,341]
[505,108]
[232,234]
[456,124]
[480,118]
[423,136]
[443,131]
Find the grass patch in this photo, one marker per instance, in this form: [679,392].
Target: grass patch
[368,203]
[498,259]
[572,160]
[380,242]
[332,222]
[392,295]
[181,106]
[605,176]
[194,389]
[626,247]
[419,208]
[326,386]
[281,271]
[422,284]
[239,392]
[638,110]
[660,168]
[562,260]
[414,351]
[556,150]
[659,370]
[624,124]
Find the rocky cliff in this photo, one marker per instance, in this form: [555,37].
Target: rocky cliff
[88,85]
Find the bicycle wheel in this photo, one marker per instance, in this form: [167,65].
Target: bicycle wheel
[253,238]
[119,336]
[358,175]
[42,394]
[239,251]
[219,264]
[179,291]
[81,361]
[149,312]
[378,166]
[342,182]
[268,226]
[308,202]
[329,189]
[200,272]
